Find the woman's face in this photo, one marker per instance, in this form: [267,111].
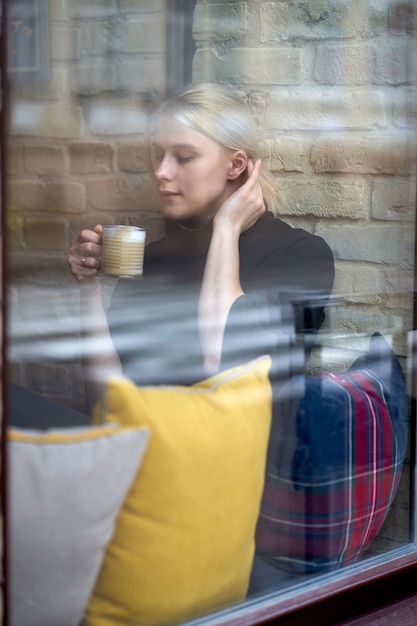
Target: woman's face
[192,172]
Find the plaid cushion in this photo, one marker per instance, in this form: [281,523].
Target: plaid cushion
[324,508]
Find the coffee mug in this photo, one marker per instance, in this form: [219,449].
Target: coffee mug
[123,251]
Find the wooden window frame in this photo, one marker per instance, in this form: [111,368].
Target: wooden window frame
[331,599]
[339,596]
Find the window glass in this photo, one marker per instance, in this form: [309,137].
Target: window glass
[268,348]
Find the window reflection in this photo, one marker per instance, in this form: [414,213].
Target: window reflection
[331,88]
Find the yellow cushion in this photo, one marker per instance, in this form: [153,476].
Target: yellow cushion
[184,540]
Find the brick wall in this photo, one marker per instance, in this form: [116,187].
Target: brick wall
[333,86]
[75,158]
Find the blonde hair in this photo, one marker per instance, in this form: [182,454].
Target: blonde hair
[219,113]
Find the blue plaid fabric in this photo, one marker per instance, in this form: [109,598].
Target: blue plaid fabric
[347,442]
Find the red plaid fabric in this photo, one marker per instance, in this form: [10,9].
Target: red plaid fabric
[347,461]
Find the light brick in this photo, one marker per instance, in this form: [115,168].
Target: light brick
[45,234]
[47,120]
[98,36]
[142,75]
[405,107]
[394,200]
[27,195]
[257,102]
[345,65]
[399,288]
[207,66]
[131,156]
[218,21]
[92,8]
[145,33]
[283,154]
[116,118]
[89,157]
[394,59]
[145,5]
[250,66]
[315,108]
[357,283]
[64,43]
[65,197]
[354,326]
[325,198]
[59,10]
[93,77]
[127,193]
[376,22]
[315,19]
[44,159]
[370,243]
[354,153]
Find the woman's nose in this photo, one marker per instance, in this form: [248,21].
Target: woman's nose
[164,170]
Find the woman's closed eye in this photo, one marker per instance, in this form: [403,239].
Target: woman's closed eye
[184,158]
[157,157]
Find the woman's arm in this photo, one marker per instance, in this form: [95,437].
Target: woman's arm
[99,358]
[221,283]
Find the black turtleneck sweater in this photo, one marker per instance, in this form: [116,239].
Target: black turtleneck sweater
[286,275]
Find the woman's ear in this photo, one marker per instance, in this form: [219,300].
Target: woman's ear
[238,165]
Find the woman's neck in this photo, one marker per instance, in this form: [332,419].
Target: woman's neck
[191,226]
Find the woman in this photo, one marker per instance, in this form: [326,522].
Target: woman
[225,283]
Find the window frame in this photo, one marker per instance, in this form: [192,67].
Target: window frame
[333,598]
[326,599]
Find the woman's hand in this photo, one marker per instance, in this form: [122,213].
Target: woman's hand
[84,256]
[246,205]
